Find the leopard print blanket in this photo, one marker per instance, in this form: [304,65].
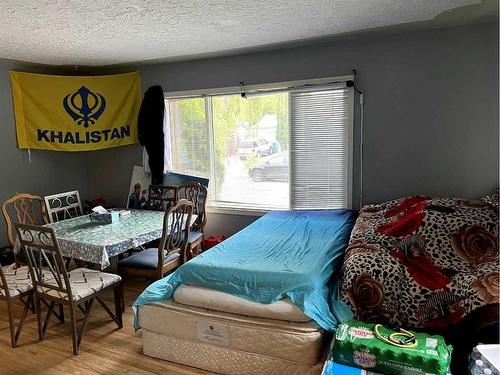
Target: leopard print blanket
[422,262]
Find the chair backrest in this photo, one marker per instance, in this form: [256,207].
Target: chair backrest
[161,197]
[197,194]
[25,209]
[45,260]
[63,206]
[176,224]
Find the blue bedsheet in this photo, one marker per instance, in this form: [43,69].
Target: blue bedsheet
[283,254]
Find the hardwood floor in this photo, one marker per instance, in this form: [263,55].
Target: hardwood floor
[104,348]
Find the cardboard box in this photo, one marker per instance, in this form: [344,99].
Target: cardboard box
[361,345]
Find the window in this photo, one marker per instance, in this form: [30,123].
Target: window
[189,136]
[278,150]
[248,133]
[321,148]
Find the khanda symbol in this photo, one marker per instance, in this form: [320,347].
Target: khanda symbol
[87,109]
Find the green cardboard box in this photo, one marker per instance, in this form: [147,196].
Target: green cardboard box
[357,344]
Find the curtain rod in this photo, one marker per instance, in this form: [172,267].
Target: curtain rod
[296,89]
[238,90]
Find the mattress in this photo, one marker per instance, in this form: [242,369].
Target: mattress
[198,296]
[284,254]
[229,343]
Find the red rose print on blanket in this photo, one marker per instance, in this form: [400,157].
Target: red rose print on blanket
[423,271]
[411,253]
[408,216]
[405,205]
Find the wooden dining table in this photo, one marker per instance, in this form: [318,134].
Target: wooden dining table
[81,239]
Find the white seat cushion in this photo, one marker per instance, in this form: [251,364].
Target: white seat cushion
[18,280]
[84,282]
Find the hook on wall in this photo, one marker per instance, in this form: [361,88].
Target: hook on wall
[353,83]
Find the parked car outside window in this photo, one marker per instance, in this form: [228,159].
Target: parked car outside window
[257,147]
[275,168]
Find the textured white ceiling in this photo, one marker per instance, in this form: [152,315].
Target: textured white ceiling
[102,32]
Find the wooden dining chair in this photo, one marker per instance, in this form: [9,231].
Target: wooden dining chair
[63,206]
[161,197]
[25,209]
[197,194]
[15,285]
[154,263]
[78,289]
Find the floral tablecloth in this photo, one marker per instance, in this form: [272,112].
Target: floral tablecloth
[79,238]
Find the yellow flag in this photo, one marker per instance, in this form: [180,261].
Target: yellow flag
[75,113]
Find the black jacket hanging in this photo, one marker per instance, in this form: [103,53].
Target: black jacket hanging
[150,131]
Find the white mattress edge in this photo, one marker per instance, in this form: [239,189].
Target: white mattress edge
[199,296]
[310,326]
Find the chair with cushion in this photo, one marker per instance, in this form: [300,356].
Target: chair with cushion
[77,289]
[25,209]
[161,197]
[197,194]
[15,285]
[63,206]
[154,263]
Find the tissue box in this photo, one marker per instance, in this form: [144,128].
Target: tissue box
[107,218]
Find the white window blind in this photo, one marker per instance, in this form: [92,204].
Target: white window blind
[321,149]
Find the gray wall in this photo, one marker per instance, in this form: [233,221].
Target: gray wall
[431,109]
[49,172]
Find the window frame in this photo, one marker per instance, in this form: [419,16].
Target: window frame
[207,95]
